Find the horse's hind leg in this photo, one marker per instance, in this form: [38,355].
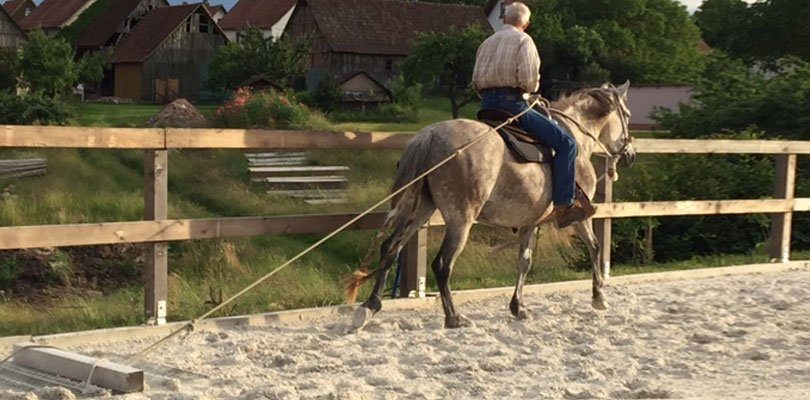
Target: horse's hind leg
[455,237]
[585,232]
[528,238]
[388,255]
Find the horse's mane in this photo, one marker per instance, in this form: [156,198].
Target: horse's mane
[592,103]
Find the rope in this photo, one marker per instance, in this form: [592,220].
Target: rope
[190,325]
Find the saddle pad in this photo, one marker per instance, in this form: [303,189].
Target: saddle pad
[527,152]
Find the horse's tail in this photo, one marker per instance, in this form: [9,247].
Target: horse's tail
[413,163]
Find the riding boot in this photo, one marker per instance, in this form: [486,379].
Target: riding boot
[581,210]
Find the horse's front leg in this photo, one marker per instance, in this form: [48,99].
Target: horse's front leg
[528,238]
[585,232]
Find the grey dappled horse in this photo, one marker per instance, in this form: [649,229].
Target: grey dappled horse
[487,183]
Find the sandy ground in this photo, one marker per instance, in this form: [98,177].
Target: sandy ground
[742,337]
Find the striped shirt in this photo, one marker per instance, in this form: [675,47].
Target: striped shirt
[508,58]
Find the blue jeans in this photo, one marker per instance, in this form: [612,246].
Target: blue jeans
[546,131]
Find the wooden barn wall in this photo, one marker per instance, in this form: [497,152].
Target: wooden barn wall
[383,68]
[10,33]
[324,61]
[184,56]
[128,81]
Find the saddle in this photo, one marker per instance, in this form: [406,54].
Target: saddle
[525,147]
[521,143]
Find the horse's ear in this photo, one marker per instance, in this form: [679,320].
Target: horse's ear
[623,89]
[606,85]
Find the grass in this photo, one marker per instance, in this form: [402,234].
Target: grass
[106,185]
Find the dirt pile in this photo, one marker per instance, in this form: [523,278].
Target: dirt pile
[178,114]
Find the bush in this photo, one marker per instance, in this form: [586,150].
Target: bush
[266,109]
[327,95]
[47,64]
[33,109]
[8,69]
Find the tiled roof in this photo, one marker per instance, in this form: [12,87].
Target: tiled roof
[257,13]
[52,14]
[387,26]
[104,26]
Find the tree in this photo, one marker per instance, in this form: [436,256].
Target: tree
[47,64]
[646,41]
[8,69]
[761,32]
[732,97]
[444,62]
[281,61]
[91,67]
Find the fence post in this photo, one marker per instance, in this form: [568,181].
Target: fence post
[602,227]
[414,263]
[156,290]
[781,224]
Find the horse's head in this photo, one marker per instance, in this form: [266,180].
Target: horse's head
[615,134]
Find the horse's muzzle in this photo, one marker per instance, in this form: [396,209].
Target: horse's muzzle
[628,158]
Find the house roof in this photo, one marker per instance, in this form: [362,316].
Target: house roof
[150,33]
[387,26]
[106,23]
[345,78]
[258,13]
[13,6]
[52,14]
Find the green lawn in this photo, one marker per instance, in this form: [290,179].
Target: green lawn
[120,115]
[134,115]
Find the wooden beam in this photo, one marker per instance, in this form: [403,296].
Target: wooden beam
[688,146]
[156,267]
[25,237]
[155,138]
[781,224]
[280,139]
[691,207]
[81,137]
[414,265]
[106,374]
[603,227]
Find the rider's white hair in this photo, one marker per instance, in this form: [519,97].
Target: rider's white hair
[516,14]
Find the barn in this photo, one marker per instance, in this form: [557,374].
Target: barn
[167,54]
[19,9]
[372,36]
[11,36]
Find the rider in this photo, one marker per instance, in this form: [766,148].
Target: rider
[507,66]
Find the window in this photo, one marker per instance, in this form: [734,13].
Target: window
[27,11]
[203,25]
[389,64]
[503,9]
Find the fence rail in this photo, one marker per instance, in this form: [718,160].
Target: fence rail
[157,229]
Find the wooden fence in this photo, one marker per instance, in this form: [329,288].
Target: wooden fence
[157,229]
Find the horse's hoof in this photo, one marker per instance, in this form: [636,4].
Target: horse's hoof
[362,316]
[599,303]
[459,321]
[521,315]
